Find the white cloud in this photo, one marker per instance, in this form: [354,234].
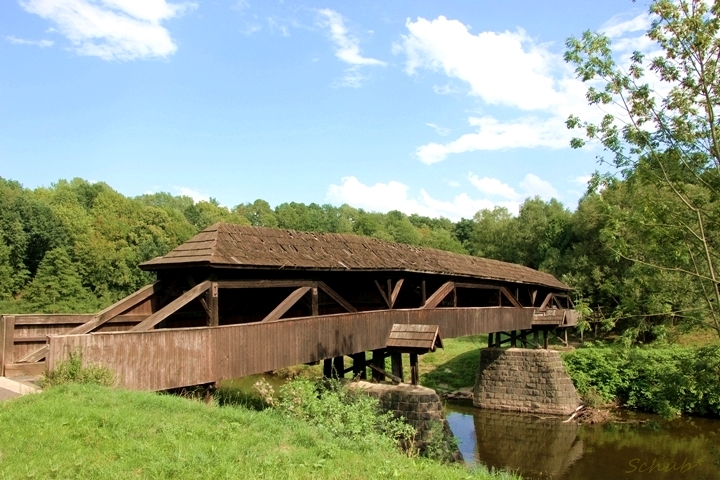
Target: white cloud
[492,134]
[582,179]
[21,41]
[383,197]
[194,194]
[347,48]
[113,29]
[530,186]
[442,131]
[506,69]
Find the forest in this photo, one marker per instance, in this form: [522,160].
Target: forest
[75,247]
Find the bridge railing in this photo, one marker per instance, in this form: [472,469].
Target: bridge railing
[170,358]
[24,334]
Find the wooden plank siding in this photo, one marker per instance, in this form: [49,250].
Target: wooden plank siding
[171,358]
[24,334]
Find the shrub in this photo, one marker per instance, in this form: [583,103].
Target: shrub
[344,412]
[666,380]
[73,371]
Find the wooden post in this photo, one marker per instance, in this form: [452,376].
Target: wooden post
[315,308]
[523,338]
[359,369]
[498,340]
[513,339]
[423,293]
[454,296]
[545,339]
[414,371]
[490,340]
[327,367]
[566,337]
[338,367]
[7,337]
[397,367]
[213,305]
[378,359]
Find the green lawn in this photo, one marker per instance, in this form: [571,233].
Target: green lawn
[85,431]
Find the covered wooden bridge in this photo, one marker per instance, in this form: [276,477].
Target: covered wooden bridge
[235,301]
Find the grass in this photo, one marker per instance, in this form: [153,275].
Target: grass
[454,366]
[90,431]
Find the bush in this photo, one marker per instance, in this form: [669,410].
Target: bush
[73,371]
[666,380]
[333,407]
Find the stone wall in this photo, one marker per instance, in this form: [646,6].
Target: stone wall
[420,406]
[524,380]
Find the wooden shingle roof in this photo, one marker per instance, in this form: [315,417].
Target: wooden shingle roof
[227,245]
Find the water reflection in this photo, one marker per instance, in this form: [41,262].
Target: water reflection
[540,447]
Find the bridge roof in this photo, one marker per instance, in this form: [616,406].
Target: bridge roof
[227,245]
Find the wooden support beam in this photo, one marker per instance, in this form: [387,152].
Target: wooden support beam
[266,283]
[397,364]
[423,293]
[327,367]
[203,301]
[7,341]
[536,338]
[546,301]
[439,295]
[213,302]
[377,364]
[359,368]
[314,305]
[116,309]
[490,340]
[396,292]
[523,338]
[286,304]
[334,295]
[383,294]
[338,367]
[414,369]
[381,373]
[513,339]
[390,295]
[172,307]
[545,339]
[510,297]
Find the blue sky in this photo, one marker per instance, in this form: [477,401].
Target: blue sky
[437,108]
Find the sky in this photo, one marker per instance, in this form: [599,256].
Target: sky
[428,107]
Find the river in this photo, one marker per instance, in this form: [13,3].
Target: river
[637,446]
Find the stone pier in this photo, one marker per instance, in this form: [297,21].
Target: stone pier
[524,380]
[420,406]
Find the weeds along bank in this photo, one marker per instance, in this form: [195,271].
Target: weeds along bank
[85,430]
[668,380]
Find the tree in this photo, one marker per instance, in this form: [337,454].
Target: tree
[666,139]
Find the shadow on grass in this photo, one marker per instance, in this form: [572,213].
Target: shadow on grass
[456,373]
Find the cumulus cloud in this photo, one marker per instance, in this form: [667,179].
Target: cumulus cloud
[530,186]
[383,197]
[505,69]
[194,194]
[113,29]
[347,47]
[21,41]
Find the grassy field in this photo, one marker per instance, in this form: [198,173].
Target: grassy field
[86,431]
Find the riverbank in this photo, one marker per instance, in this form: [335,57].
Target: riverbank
[88,431]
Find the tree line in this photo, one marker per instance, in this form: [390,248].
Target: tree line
[75,246]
